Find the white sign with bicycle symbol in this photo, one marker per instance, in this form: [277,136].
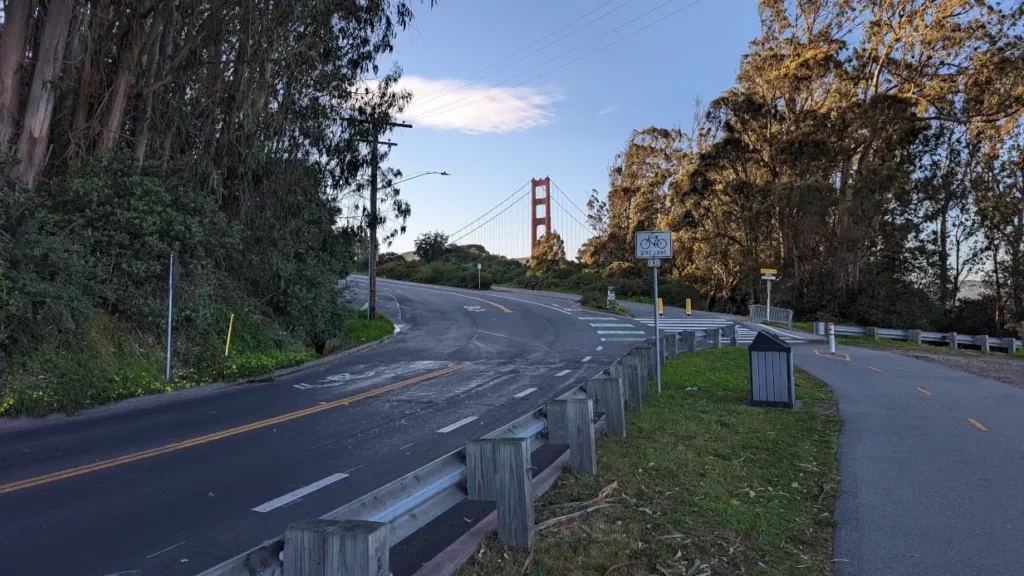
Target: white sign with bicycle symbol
[653,245]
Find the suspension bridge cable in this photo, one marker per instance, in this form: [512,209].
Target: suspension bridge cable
[569,214]
[441,109]
[570,200]
[488,221]
[445,90]
[518,190]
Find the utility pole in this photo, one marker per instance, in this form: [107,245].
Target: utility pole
[375,143]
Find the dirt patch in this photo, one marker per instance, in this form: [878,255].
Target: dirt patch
[1005,370]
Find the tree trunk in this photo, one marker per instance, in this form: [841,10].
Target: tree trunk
[943,244]
[12,56]
[35,130]
[152,63]
[127,63]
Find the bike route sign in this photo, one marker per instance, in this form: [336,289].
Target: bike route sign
[653,245]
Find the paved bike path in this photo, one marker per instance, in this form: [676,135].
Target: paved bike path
[924,490]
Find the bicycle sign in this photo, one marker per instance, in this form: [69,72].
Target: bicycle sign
[653,245]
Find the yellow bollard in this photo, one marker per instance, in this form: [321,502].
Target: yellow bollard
[661,308]
[231,324]
[687,307]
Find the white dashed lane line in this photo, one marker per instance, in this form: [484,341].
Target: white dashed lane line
[594,318]
[599,348]
[563,372]
[451,427]
[620,331]
[622,339]
[525,392]
[601,325]
[586,358]
[296,494]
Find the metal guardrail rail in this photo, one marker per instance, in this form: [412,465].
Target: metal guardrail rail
[906,336]
[414,500]
[759,313]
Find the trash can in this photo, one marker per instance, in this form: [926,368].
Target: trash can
[771,372]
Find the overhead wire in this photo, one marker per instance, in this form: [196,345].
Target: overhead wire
[442,110]
[445,90]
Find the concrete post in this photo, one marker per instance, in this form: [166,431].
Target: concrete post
[914,337]
[689,339]
[336,548]
[952,340]
[871,332]
[1011,345]
[582,445]
[480,469]
[983,343]
[715,337]
[677,344]
[514,492]
[608,398]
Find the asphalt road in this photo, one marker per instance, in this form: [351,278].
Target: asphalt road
[931,463]
[181,484]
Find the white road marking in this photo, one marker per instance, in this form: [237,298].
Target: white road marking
[165,549]
[620,331]
[451,427]
[594,318]
[622,339]
[563,372]
[599,325]
[525,392]
[296,494]
[586,358]
[496,334]
[404,447]
[599,348]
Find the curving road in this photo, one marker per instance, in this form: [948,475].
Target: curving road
[177,484]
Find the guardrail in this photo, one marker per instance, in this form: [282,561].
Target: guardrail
[952,339]
[759,313]
[495,467]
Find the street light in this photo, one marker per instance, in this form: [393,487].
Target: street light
[371,304]
[421,174]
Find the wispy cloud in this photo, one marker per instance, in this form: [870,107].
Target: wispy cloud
[608,109]
[475,109]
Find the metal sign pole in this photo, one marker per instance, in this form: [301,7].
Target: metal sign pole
[657,330]
[768,313]
[170,315]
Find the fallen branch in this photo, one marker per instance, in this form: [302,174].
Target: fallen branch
[553,521]
[623,565]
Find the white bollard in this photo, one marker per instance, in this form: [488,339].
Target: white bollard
[831,338]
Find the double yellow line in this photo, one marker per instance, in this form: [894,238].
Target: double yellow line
[104,464]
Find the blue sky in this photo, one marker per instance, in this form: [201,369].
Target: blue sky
[493,137]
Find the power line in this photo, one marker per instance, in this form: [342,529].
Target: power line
[442,110]
[555,41]
[484,215]
[488,221]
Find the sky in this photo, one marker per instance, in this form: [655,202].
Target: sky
[562,107]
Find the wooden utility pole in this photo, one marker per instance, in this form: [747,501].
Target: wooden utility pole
[371,308]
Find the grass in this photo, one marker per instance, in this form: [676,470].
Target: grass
[702,485]
[108,366]
[885,344]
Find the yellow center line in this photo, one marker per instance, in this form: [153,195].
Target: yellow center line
[923,391]
[977,424]
[85,469]
[873,368]
[837,356]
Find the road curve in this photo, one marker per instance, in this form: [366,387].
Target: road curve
[182,484]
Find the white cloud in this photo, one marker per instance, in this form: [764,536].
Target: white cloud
[608,109]
[476,109]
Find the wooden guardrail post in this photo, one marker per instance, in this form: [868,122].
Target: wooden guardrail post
[952,340]
[983,343]
[871,332]
[336,548]
[715,337]
[514,492]
[689,339]
[630,371]
[480,482]
[1011,345]
[582,445]
[915,337]
[608,397]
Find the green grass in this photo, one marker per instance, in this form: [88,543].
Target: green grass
[702,479]
[108,366]
[884,344]
[804,327]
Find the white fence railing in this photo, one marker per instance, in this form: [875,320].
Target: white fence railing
[954,340]
[759,313]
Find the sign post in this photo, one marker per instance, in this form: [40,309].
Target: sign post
[478,266]
[653,246]
[768,274]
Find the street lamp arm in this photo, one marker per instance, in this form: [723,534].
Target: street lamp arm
[421,174]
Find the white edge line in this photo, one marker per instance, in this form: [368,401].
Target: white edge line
[451,427]
[622,339]
[620,332]
[525,392]
[296,494]
[602,325]
[563,372]
[586,359]
[166,549]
